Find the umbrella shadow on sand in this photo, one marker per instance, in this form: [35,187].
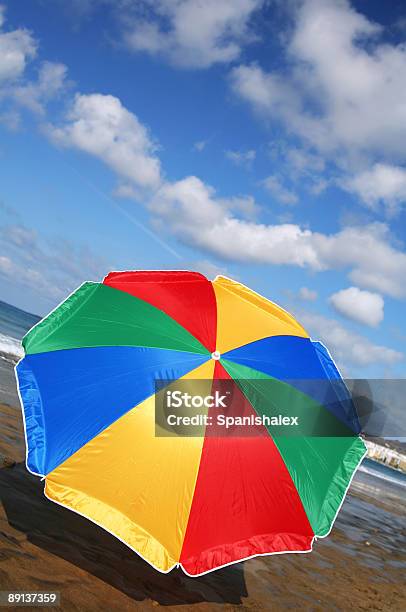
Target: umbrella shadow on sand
[80,542]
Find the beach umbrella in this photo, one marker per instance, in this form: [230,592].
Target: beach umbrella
[265,467]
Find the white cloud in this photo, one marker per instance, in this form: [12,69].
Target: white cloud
[244,205]
[101,126]
[345,94]
[191,210]
[353,85]
[191,33]
[280,193]
[356,83]
[307,295]
[347,347]
[382,183]
[362,306]
[17,47]
[241,158]
[267,92]
[50,83]
[374,263]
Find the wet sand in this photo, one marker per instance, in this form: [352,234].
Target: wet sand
[360,566]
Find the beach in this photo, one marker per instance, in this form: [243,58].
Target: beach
[43,547]
[359,566]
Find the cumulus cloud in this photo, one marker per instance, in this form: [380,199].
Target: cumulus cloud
[190,209]
[192,212]
[279,192]
[348,348]
[17,47]
[352,84]
[50,83]
[345,94]
[378,265]
[383,183]
[362,306]
[191,33]
[101,126]
[269,93]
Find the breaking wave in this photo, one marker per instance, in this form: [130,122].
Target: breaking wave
[10,348]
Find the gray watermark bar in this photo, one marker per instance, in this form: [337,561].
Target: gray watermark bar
[288,408]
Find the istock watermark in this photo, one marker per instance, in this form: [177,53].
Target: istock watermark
[258,407]
[177,399]
[214,408]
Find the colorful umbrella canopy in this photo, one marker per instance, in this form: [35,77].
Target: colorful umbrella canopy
[87,385]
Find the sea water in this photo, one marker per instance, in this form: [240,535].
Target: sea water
[14,324]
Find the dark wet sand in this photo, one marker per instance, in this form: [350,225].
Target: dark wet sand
[360,566]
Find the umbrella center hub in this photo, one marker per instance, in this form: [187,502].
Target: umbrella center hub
[216,355]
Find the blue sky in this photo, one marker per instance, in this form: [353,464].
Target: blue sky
[259,139]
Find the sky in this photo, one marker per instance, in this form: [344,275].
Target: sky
[260,139]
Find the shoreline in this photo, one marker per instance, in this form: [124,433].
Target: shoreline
[385,455]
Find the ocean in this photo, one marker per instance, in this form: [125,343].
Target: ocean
[14,324]
[370,470]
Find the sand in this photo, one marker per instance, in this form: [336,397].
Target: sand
[360,566]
